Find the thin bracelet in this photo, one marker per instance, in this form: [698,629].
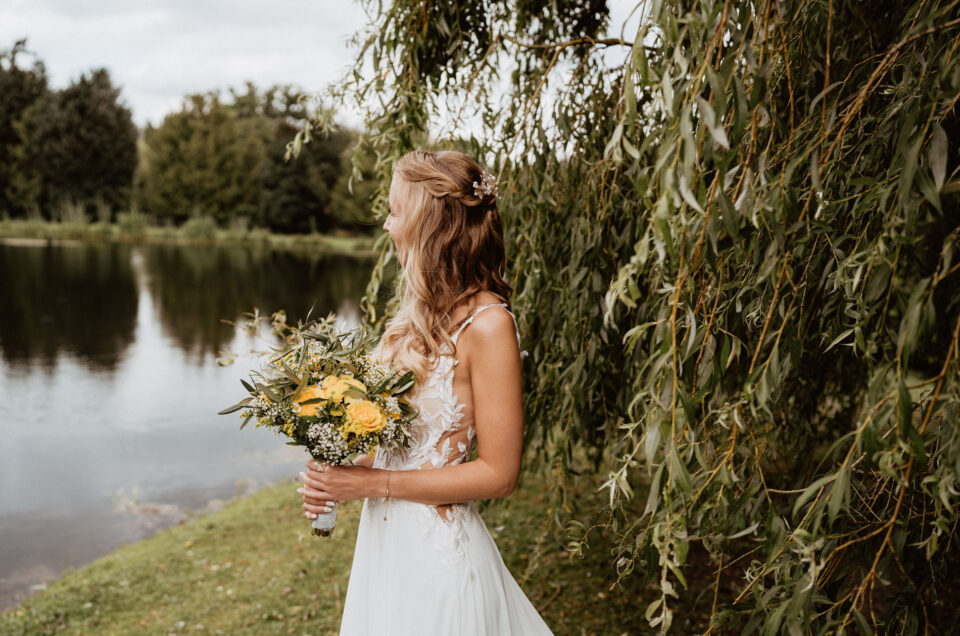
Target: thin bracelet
[387,498]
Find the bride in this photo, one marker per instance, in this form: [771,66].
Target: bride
[424,562]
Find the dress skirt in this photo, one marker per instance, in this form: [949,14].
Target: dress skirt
[417,574]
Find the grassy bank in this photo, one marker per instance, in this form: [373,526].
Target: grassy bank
[200,233]
[252,568]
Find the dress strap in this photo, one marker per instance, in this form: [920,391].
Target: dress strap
[477,311]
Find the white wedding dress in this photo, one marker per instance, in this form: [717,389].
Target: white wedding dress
[419,574]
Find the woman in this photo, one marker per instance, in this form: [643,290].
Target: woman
[424,562]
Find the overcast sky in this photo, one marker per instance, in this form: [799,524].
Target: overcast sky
[158,51]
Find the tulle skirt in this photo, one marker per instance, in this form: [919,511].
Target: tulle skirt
[416,573]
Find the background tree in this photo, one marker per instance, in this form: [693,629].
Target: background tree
[296,194]
[20,89]
[83,144]
[228,160]
[280,101]
[733,236]
[351,200]
[204,160]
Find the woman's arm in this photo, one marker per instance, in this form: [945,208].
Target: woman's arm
[490,353]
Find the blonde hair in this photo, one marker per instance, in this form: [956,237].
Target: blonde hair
[453,248]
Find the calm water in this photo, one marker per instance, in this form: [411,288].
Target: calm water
[109,389]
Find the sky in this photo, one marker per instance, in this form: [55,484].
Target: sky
[158,51]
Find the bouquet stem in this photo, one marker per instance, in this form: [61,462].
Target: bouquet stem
[324,523]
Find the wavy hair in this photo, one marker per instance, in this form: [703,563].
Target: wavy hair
[452,248]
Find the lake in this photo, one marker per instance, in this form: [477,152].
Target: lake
[109,389]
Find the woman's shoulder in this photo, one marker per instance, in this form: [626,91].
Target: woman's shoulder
[490,341]
[484,297]
[478,304]
[490,320]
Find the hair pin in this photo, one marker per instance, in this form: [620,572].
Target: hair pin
[486,187]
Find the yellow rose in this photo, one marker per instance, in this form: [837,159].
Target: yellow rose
[335,387]
[309,393]
[366,416]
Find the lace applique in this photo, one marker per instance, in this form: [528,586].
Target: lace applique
[446,529]
[432,433]
[437,430]
[438,438]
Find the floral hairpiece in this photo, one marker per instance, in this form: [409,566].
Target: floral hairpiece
[486,187]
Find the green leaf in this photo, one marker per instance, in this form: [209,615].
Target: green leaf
[236,407]
[267,391]
[937,154]
[909,325]
[651,441]
[666,86]
[653,496]
[838,493]
[905,405]
[862,624]
[355,392]
[612,149]
[917,447]
[652,608]
[748,530]
[810,491]
[688,196]
[713,126]
[909,169]
[679,471]
[842,336]
[928,189]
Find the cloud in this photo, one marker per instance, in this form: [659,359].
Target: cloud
[159,51]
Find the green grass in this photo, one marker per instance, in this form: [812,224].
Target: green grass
[253,568]
[40,229]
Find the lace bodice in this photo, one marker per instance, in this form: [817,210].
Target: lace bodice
[438,435]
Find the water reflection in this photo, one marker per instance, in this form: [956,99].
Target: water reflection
[66,298]
[109,389]
[195,287]
[81,299]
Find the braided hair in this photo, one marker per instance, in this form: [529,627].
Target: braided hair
[453,248]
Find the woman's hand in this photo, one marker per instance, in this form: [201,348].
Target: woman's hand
[325,484]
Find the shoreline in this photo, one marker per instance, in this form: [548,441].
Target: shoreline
[124,521]
[253,567]
[39,233]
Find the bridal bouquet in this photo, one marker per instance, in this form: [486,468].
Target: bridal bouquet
[325,391]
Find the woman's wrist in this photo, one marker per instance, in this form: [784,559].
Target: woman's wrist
[381,486]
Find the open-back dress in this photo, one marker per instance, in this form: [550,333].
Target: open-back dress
[416,572]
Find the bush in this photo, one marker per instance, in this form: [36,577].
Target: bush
[133,222]
[71,212]
[103,209]
[200,227]
[239,227]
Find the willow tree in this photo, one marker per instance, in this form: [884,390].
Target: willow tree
[732,233]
